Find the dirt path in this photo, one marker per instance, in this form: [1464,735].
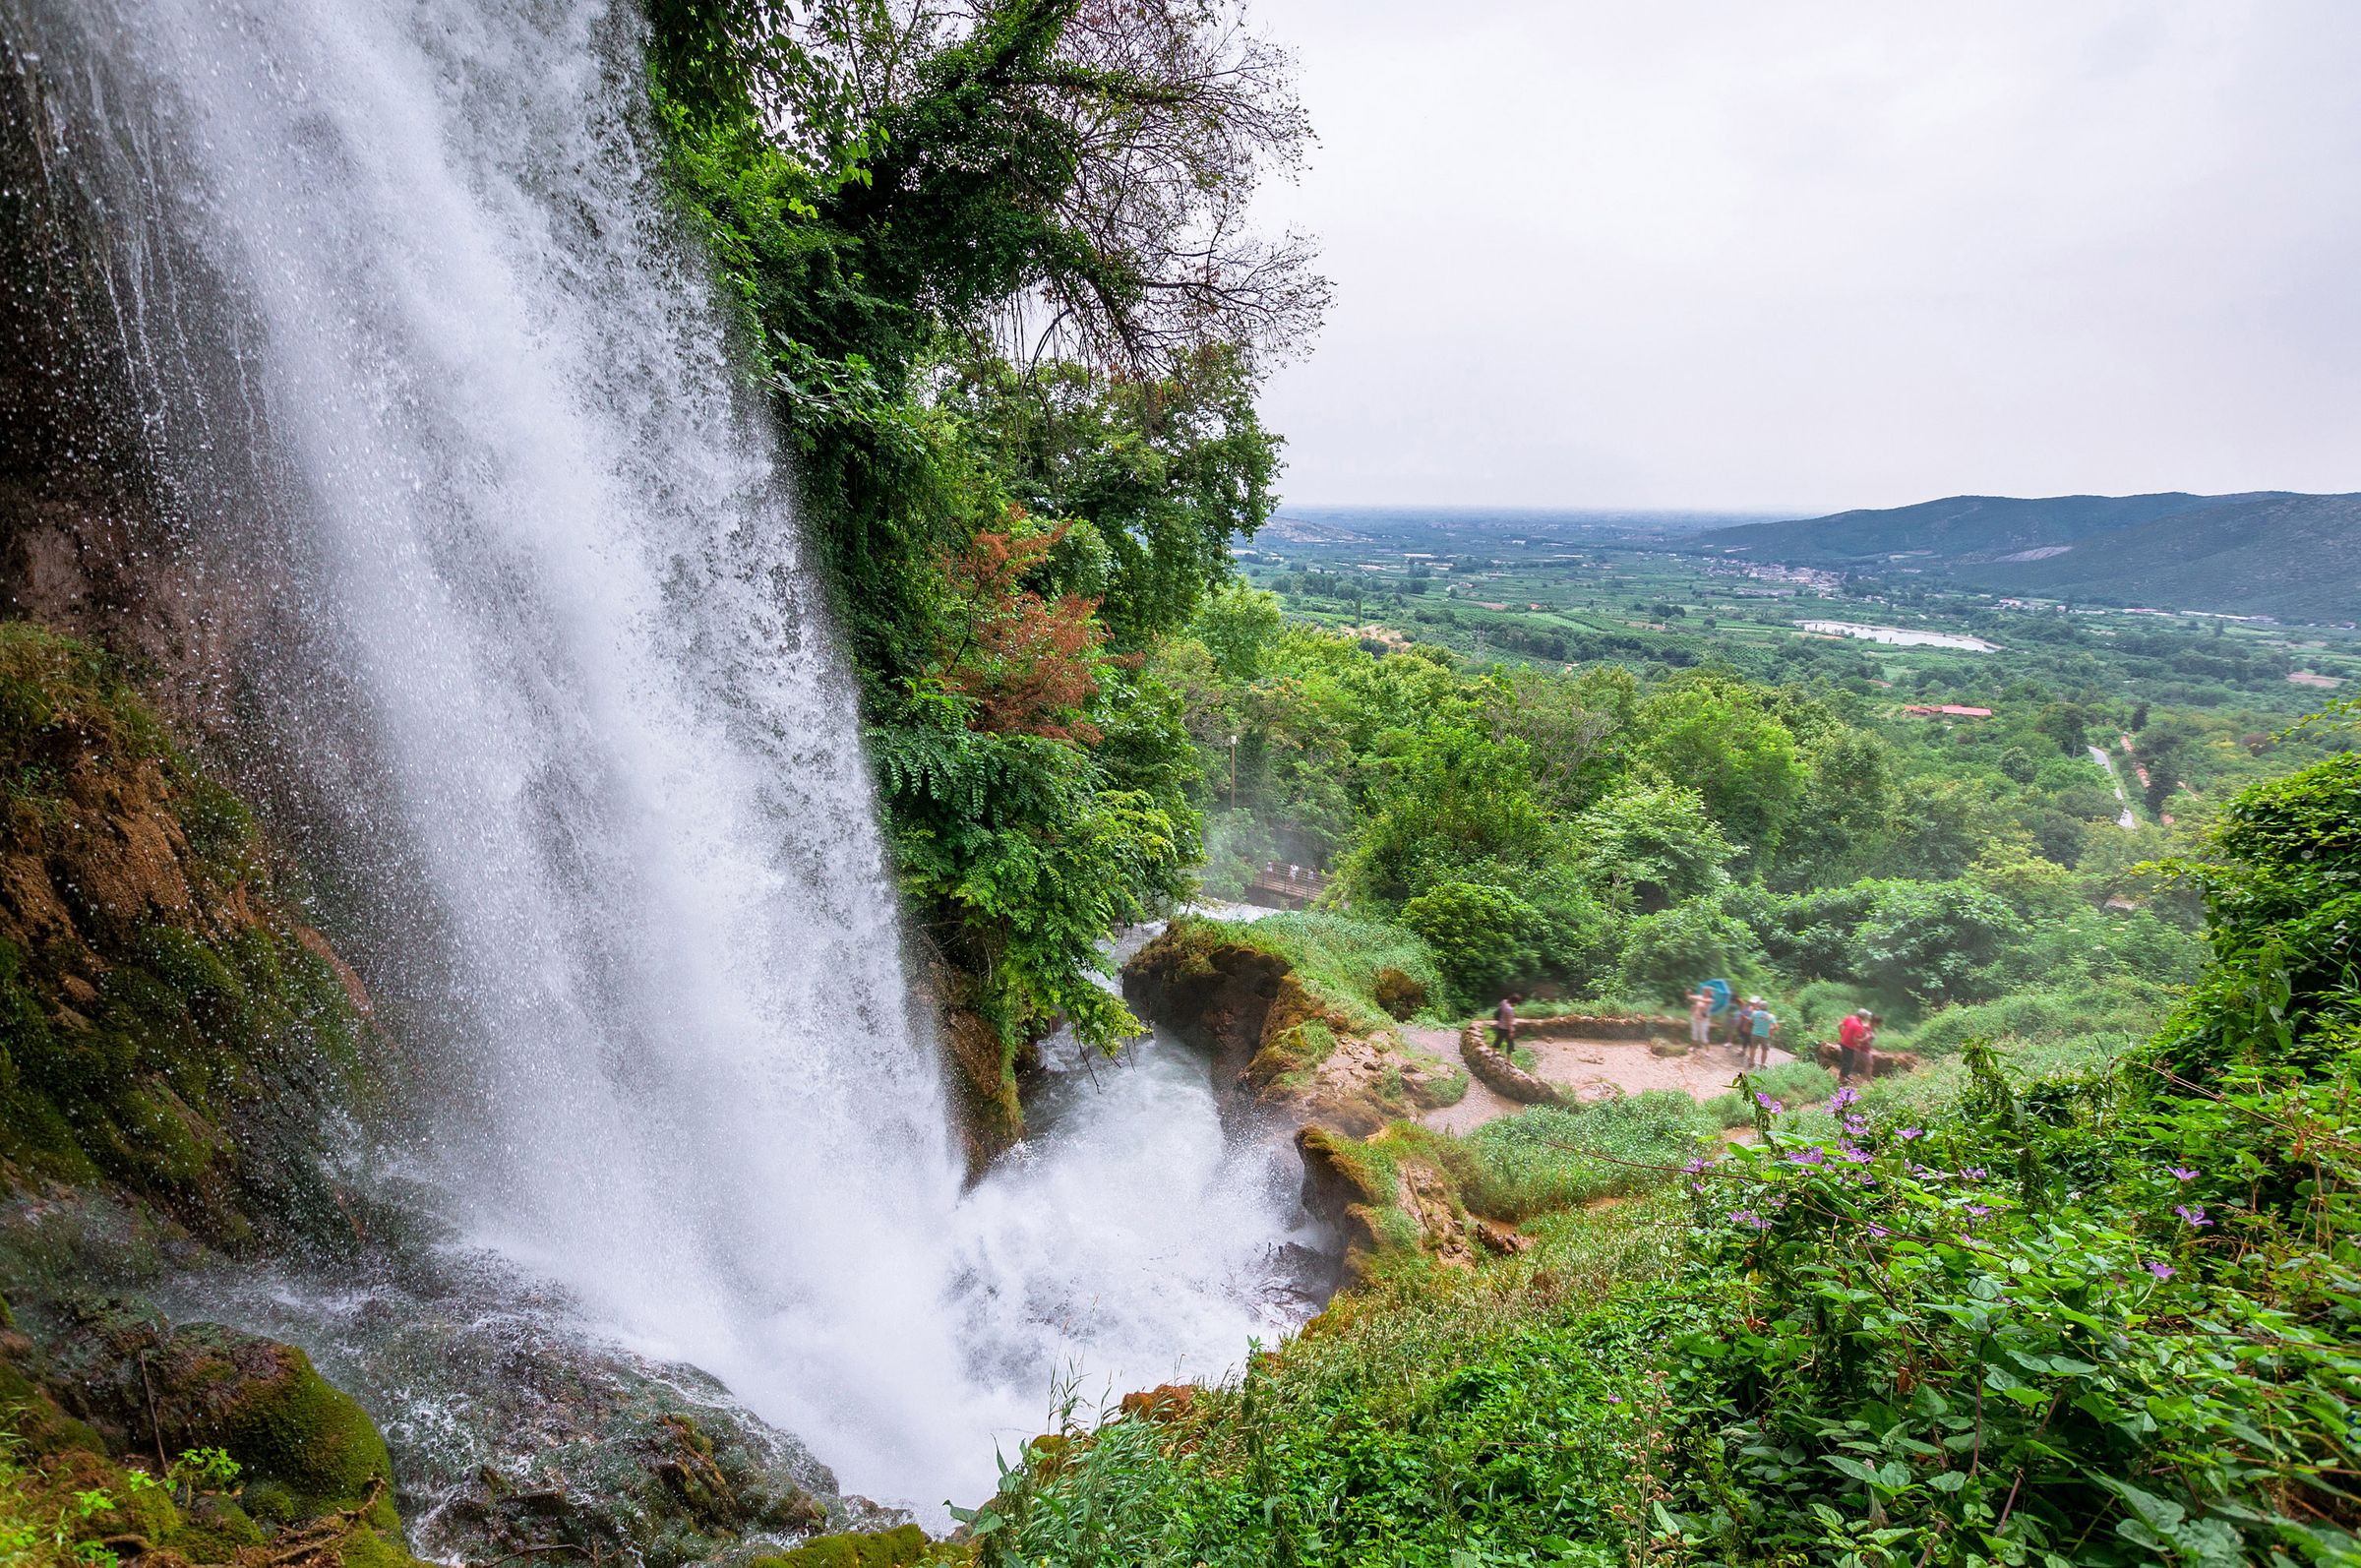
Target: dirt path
[1591,1070]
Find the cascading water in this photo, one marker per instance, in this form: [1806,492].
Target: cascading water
[470,365]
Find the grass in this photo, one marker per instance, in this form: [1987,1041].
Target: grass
[1351,1444]
[2101,1014]
[1544,1158]
[1790,1083]
[1341,958]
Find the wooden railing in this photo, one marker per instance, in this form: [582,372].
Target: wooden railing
[1293,891]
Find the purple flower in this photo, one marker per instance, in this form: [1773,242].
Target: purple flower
[1701,1163]
[2195,1216]
[2182,1172]
[1857,1127]
[1749,1216]
[2163,1271]
[1841,1099]
[1879,1231]
[1978,1209]
[1614,1399]
[1775,1106]
[1853,1155]
[1812,1156]
[1974,1173]
[1908,1134]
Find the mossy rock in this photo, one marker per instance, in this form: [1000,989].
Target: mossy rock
[898,1547]
[204,1385]
[1399,992]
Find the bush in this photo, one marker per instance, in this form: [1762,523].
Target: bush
[2103,1017]
[1931,940]
[1665,955]
[1398,993]
[1485,937]
[1791,1085]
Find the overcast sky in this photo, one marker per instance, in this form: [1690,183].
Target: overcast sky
[1802,255]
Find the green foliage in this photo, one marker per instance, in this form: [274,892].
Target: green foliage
[1344,961]
[1456,802]
[1930,941]
[1787,1085]
[1654,842]
[1029,852]
[1486,939]
[2074,1309]
[1239,627]
[1666,955]
[1718,738]
[877,196]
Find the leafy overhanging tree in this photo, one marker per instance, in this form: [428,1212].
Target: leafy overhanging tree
[991,265]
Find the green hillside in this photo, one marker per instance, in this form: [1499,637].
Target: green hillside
[2297,557]
[2265,553]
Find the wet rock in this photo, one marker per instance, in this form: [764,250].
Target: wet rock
[146,1386]
[516,1429]
[1883,1064]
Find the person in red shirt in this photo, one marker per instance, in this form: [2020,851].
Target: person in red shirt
[1854,1034]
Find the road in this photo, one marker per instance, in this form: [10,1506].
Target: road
[2128,821]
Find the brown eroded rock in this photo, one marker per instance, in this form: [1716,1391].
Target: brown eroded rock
[1163,1402]
[1884,1063]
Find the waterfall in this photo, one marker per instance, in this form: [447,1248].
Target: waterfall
[397,275]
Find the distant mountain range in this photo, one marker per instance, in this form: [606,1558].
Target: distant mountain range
[2275,553]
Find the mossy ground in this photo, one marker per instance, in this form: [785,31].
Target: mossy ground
[903,1546]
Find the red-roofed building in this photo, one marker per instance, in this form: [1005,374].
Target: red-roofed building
[1948,710]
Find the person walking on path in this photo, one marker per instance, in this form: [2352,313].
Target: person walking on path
[1504,1023]
[1762,1027]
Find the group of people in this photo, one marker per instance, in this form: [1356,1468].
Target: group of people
[1750,1026]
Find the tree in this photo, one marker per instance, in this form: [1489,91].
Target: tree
[1238,626]
[1483,937]
[2066,724]
[1654,842]
[1666,955]
[1715,737]
[2164,751]
[1076,174]
[2017,765]
[1844,821]
[1458,807]
[1931,940]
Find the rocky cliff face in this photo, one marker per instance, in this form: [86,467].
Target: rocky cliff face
[174,1028]
[98,537]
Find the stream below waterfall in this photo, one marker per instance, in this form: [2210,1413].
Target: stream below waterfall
[1142,1232]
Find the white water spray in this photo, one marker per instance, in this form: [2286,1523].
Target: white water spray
[544,533]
